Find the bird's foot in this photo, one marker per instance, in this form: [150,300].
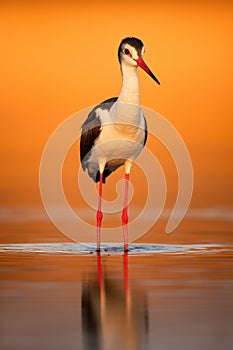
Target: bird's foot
[126,248]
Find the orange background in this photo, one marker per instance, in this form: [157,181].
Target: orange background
[58,57]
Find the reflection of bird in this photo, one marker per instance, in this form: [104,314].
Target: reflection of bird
[118,128]
[113,316]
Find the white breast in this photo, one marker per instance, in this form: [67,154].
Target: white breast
[118,140]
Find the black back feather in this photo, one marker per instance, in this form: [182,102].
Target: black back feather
[90,131]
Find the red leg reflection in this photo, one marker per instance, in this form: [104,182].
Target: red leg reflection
[100,273]
[126,276]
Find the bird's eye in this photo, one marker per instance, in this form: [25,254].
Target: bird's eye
[126,52]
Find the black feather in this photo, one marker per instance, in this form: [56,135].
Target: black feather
[90,131]
[146,131]
[136,43]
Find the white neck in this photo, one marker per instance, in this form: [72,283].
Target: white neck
[130,85]
[127,107]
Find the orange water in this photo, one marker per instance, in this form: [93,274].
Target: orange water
[162,301]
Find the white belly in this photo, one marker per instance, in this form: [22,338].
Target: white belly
[117,142]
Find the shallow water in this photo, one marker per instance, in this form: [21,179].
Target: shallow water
[65,296]
[134,248]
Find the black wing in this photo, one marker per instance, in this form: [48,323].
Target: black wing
[90,131]
[146,131]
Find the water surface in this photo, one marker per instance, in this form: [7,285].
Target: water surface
[65,296]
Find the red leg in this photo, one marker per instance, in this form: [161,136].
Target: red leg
[125,213]
[99,214]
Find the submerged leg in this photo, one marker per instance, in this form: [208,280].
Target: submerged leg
[99,214]
[125,213]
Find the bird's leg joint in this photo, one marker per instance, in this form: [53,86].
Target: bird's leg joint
[99,217]
[125,216]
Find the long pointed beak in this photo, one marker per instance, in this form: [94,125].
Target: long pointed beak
[143,65]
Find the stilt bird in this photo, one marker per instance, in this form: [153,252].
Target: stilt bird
[116,131]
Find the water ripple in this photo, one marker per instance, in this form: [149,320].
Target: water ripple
[134,249]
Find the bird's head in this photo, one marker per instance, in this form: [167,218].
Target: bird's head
[130,53]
